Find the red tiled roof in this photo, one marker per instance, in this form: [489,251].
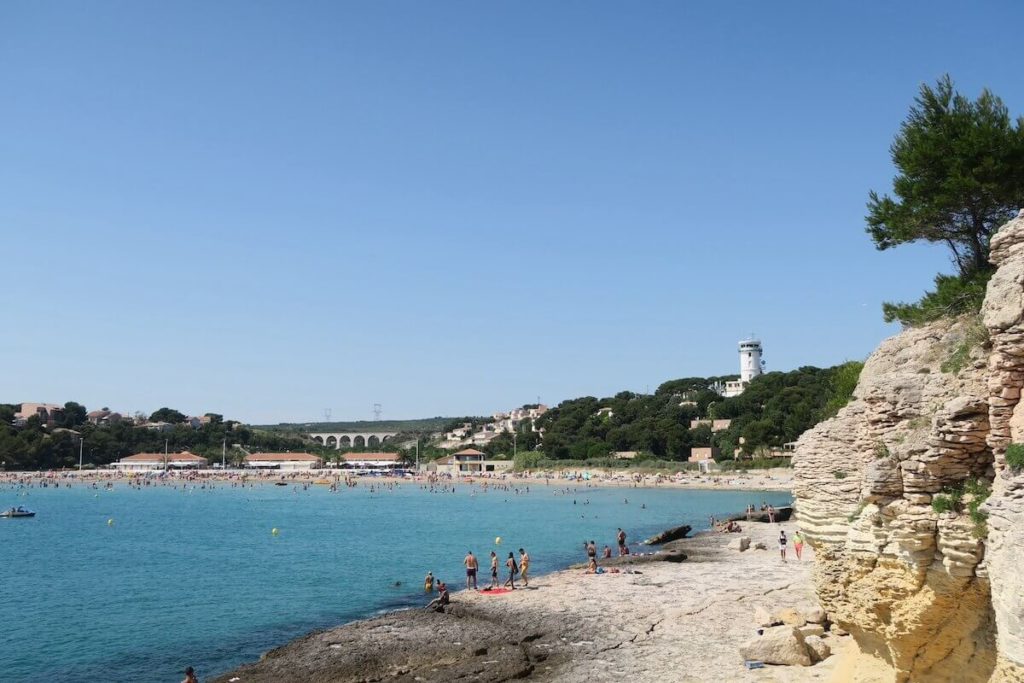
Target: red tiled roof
[159,457]
[283,457]
[381,457]
[469,451]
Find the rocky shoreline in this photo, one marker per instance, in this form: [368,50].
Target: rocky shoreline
[651,620]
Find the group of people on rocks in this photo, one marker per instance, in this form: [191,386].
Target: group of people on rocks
[590,548]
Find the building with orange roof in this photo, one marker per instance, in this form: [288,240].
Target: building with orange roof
[143,462]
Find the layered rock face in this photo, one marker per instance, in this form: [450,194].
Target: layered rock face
[927,595]
[1003,314]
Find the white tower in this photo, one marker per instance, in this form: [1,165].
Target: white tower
[750,359]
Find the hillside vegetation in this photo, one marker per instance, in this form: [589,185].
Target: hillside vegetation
[774,410]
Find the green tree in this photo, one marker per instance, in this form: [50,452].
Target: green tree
[167,415]
[74,415]
[960,167]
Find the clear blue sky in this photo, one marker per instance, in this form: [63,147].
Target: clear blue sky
[267,209]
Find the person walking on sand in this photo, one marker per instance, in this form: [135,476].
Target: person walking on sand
[524,567]
[512,571]
[471,567]
[782,544]
[494,569]
[798,545]
[621,538]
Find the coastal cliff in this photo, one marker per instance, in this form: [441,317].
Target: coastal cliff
[916,559]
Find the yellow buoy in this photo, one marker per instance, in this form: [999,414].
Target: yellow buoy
[274,531]
[497,540]
[110,522]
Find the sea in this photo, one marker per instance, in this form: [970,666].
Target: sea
[135,585]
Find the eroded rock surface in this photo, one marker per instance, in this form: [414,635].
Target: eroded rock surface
[927,595]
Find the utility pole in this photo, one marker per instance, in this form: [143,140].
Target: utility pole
[81,444]
[417,454]
[223,453]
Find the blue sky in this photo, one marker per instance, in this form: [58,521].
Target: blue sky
[268,209]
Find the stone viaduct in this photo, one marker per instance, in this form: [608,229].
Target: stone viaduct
[352,439]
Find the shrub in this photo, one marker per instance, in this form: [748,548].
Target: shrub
[841,385]
[943,503]
[839,474]
[952,500]
[1015,457]
[954,295]
[975,335]
[881,451]
[978,490]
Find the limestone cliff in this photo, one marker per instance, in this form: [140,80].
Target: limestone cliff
[928,595]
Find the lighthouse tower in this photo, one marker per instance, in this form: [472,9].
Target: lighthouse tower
[750,359]
[750,367]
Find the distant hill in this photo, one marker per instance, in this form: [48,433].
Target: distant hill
[427,424]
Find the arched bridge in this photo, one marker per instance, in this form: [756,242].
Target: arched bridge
[352,439]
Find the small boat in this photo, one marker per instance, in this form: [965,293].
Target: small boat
[280,483]
[17,512]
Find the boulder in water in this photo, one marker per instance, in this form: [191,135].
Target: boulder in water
[673,534]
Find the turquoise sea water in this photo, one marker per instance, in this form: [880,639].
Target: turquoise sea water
[195,577]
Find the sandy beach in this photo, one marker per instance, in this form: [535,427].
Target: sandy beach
[779,479]
[668,621]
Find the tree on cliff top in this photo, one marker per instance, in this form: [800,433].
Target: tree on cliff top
[961,176]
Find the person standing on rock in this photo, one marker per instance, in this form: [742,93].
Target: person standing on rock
[621,538]
[524,566]
[782,544]
[798,545]
[494,569]
[512,571]
[471,567]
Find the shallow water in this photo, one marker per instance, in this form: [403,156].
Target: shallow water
[195,577]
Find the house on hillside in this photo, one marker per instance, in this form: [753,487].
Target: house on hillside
[703,454]
[48,413]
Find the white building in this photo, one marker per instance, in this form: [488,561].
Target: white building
[286,462]
[372,461]
[750,367]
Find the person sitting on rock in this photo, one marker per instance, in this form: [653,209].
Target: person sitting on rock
[606,553]
[442,599]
